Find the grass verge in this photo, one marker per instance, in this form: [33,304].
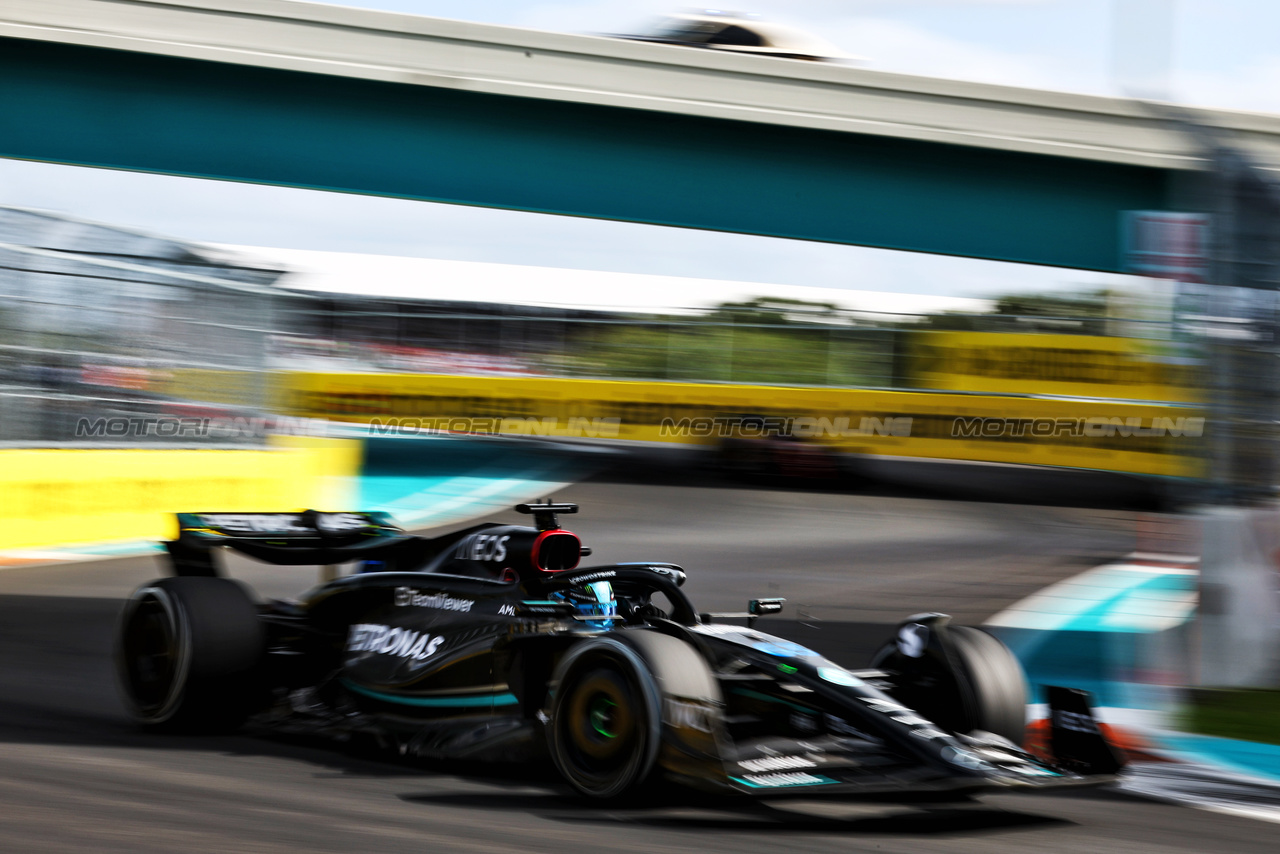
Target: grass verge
[1245,714]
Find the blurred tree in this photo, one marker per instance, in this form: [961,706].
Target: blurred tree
[764,340]
[772,311]
[1087,305]
[1084,314]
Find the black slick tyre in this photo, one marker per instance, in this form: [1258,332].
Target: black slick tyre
[605,725]
[976,685]
[187,654]
[997,685]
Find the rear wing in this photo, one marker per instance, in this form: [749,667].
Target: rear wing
[313,538]
[291,539]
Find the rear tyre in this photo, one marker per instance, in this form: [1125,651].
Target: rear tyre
[605,724]
[187,652]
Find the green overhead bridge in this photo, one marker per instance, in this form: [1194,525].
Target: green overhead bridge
[302,95]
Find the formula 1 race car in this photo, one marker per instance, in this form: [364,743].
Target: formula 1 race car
[489,644]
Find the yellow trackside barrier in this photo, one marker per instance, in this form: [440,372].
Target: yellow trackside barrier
[1068,365]
[1141,438]
[60,496]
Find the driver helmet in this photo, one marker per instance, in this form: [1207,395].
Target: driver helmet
[592,600]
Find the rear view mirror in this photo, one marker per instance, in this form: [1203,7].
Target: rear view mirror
[761,607]
[755,608]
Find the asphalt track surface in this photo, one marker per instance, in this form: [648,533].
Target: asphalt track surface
[75,775]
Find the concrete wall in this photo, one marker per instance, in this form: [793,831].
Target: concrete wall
[1239,616]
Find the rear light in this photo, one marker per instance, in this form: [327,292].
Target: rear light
[556,551]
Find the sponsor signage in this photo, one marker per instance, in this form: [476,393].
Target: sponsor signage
[783,780]
[256,523]
[1093,366]
[1075,721]
[407,597]
[987,369]
[285,523]
[489,547]
[392,640]
[1167,245]
[776,763]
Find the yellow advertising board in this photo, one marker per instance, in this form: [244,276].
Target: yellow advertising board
[1142,438]
[1067,365]
[59,495]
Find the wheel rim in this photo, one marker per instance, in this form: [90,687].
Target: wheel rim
[602,716]
[600,732]
[152,656]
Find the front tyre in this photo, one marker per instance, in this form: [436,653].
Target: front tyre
[605,720]
[963,679]
[187,651]
[996,683]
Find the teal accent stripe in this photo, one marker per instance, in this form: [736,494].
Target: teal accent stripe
[458,702]
[820,781]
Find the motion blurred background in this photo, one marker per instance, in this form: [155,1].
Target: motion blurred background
[255,347]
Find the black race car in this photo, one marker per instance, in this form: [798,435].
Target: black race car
[490,643]
[736,33]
